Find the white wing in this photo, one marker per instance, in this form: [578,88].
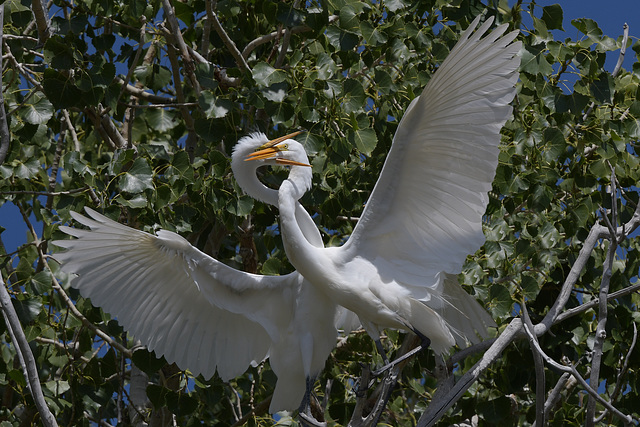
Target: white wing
[196,311]
[424,215]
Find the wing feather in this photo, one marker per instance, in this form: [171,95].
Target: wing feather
[424,215]
[198,312]
[183,304]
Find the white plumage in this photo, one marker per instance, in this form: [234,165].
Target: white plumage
[396,270]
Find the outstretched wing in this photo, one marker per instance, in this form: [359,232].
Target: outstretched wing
[424,215]
[185,305]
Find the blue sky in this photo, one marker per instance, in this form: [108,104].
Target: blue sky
[610,16]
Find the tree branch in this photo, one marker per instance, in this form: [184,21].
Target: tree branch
[5,136]
[539,369]
[41,16]
[601,333]
[27,361]
[233,49]
[572,370]
[436,409]
[187,60]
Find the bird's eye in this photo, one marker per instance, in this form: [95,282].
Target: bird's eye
[285,146]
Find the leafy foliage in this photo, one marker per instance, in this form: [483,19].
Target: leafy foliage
[110,111]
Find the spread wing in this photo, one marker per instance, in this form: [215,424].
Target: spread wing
[185,305]
[424,215]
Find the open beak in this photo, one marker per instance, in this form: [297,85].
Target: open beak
[280,139]
[270,149]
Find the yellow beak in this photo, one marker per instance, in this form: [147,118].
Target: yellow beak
[270,149]
[280,139]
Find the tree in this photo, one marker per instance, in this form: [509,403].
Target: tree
[133,108]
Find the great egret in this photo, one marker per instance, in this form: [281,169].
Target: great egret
[421,221]
[424,215]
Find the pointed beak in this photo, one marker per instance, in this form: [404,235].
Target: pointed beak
[280,139]
[270,149]
[270,153]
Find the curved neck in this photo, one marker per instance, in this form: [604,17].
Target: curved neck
[245,174]
[291,190]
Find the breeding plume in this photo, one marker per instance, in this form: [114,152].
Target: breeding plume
[397,270]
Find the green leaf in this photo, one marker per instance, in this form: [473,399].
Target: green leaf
[341,40]
[161,119]
[265,75]
[555,143]
[289,16]
[27,309]
[602,89]
[213,106]
[147,361]
[277,92]
[501,301]
[371,34]
[533,60]
[308,109]
[38,110]
[354,96]
[60,89]
[552,16]
[138,178]
[348,18]
[41,282]
[365,140]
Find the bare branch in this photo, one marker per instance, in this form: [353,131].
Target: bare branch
[285,41]
[47,193]
[601,332]
[436,409]
[596,232]
[589,305]
[144,95]
[233,49]
[72,130]
[192,137]
[5,136]
[41,15]
[539,368]
[616,70]
[274,35]
[27,361]
[572,370]
[187,59]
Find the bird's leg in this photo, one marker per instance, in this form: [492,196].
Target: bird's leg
[381,351]
[425,342]
[305,405]
[304,412]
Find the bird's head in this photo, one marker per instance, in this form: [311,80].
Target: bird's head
[283,151]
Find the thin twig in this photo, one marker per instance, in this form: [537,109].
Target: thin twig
[572,370]
[231,46]
[72,130]
[41,15]
[5,136]
[539,369]
[46,193]
[56,286]
[27,361]
[616,70]
[601,333]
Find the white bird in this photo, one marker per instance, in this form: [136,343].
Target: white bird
[422,219]
[200,313]
[424,215]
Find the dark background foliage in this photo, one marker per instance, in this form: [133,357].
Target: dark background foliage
[116,106]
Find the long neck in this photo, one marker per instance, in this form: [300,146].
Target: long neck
[245,174]
[297,247]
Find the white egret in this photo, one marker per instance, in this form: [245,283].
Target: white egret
[424,215]
[423,218]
